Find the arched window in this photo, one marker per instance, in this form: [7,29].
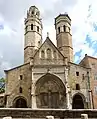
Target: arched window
[20,90]
[49,53]
[64,28]
[55,54]
[77,87]
[31,26]
[37,13]
[32,12]
[21,77]
[58,29]
[42,54]
[38,28]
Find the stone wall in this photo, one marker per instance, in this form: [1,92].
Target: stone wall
[14,82]
[91,62]
[41,113]
[80,79]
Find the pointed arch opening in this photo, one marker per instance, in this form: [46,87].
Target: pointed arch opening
[50,92]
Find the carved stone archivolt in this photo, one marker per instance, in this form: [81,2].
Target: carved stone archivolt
[50,92]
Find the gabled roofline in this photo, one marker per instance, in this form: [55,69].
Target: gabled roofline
[92,57]
[47,38]
[15,67]
[86,56]
[79,65]
[83,59]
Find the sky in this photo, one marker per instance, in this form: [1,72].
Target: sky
[12,14]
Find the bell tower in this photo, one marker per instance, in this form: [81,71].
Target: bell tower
[63,35]
[33,33]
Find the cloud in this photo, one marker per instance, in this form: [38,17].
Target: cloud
[12,14]
[83,20]
[3,66]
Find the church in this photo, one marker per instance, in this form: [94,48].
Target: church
[49,78]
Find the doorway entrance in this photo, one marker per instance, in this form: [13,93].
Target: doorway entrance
[77,102]
[50,91]
[20,103]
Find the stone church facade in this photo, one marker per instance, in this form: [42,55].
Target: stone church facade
[49,78]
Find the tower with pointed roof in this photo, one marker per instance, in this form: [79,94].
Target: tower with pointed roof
[63,35]
[33,33]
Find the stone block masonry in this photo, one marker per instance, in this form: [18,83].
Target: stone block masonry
[42,113]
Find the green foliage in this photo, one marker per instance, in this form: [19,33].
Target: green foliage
[2,90]
[2,85]
[2,80]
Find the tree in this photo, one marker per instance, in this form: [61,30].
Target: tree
[2,85]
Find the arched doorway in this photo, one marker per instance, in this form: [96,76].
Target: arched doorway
[77,102]
[50,92]
[20,103]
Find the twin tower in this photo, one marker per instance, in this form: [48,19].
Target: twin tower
[33,34]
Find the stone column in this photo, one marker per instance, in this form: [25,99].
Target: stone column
[33,93]
[84,116]
[67,89]
[91,100]
[68,98]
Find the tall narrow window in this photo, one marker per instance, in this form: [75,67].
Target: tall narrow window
[32,12]
[31,26]
[58,29]
[77,87]
[55,55]
[48,53]
[42,54]
[21,77]
[20,90]
[64,28]
[38,28]
[77,73]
